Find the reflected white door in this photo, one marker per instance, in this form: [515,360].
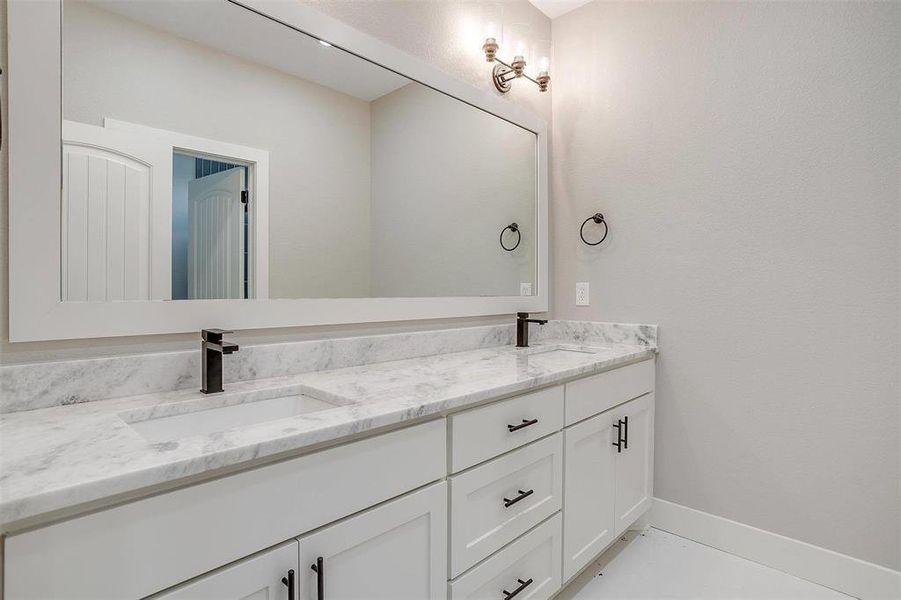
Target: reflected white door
[216,235]
[116,227]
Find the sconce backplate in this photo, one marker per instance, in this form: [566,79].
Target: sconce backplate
[498,75]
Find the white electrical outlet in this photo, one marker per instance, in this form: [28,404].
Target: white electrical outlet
[525,289]
[582,293]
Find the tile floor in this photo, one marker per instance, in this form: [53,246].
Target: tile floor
[662,565]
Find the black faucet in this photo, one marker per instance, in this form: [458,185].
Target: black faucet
[212,350]
[522,328]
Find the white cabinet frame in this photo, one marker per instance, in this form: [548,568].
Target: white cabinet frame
[36,311]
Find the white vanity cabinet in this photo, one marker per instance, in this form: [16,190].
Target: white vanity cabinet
[588,443]
[509,499]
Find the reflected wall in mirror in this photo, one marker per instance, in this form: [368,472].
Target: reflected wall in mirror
[198,163]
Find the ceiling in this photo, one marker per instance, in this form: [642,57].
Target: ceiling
[555,8]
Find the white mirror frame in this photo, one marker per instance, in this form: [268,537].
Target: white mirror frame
[35,174]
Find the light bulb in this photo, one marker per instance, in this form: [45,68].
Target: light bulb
[541,50]
[516,37]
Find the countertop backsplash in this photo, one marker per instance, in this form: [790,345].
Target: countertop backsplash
[588,332]
[46,384]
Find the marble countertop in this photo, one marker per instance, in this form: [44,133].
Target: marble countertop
[57,459]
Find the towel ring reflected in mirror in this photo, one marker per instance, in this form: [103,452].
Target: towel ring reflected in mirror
[515,229]
[599,219]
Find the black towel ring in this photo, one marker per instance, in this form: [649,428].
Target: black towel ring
[597,218]
[515,229]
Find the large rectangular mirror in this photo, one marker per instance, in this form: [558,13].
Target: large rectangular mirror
[191,153]
[255,163]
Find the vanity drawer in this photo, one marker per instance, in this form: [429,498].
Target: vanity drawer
[482,433]
[139,548]
[531,563]
[592,395]
[493,504]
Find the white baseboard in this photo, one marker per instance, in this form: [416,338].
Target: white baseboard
[840,572]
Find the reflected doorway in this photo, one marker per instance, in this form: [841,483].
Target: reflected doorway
[210,227]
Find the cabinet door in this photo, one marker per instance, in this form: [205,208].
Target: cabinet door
[588,491]
[634,464]
[256,578]
[396,551]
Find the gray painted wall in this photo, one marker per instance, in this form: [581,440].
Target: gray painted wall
[446,178]
[747,157]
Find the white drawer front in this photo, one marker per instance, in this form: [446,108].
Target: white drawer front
[482,433]
[531,564]
[593,395]
[495,503]
[142,547]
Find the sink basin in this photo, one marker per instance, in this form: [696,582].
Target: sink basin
[206,417]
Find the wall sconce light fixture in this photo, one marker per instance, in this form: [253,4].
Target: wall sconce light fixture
[504,73]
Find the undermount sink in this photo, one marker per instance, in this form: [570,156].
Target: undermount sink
[242,410]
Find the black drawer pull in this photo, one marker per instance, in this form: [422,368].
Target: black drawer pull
[289,582]
[522,585]
[525,423]
[319,569]
[619,435]
[508,503]
[626,434]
